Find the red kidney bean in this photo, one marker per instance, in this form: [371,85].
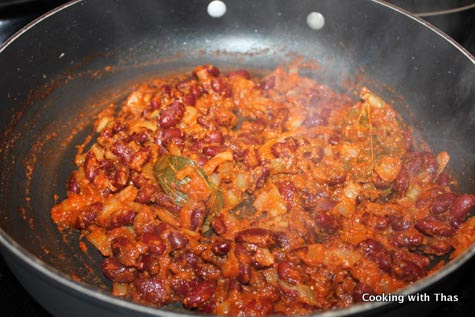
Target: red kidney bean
[409,240]
[439,246]
[203,71]
[172,115]
[182,286]
[177,240]
[334,139]
[434,227]
[398,223]
[288,191]
[288,273]
[88,215]
[336,178]
[267,83]
[122,151]
[326,204]
[204,121]
[284,149]
[442,203]
[198,295]
[308,201]
[140,158]
[234,286]
[198,216]
[118,126]
[377,253]
[91,166]
[381,223]
[360,289]
[139,138]
[280,118]
[219,226]
[408,271]
[117,272]
[152,289]
[155,104]
[221,247]
[146,194]
[401,183]
[73,185]
[121,218]
[154,242]
[166,90]
[212,150]
[150,263]
[138,180]
[208,271]
[282,240]
[175,135]
[214,137]
[326,222]
[121,177]
[259,176]
[196,90]
[221,87]
[166,202]
[443,179]
[244,275]
[189,99]
[460,209]
[258,236]
[239,73]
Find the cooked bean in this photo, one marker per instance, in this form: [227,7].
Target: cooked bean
[198,216]
[91,166]
[408,271]
[153,289]
[150,263]
[219,226]
[199,294]
[175,135]
[258,236]
[214,137]
[284,149]
[434,227]
[177,240]
[117,272]
[377,253]
[121,177]
[460,208]
[326,222]
[212,150]
[121,218]
[73,185]
[401,183]
[88,215]
[146,194]
[361,289]
[442,203]
[398,223]
[172,115]
[221,247]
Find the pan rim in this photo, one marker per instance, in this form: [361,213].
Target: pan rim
[92,294]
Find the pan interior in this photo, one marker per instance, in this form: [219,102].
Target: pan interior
[60,87]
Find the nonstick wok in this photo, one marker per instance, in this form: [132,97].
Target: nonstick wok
[62,69]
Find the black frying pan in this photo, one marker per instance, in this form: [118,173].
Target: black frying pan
[54,80]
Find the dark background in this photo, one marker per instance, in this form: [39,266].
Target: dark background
[460,24]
